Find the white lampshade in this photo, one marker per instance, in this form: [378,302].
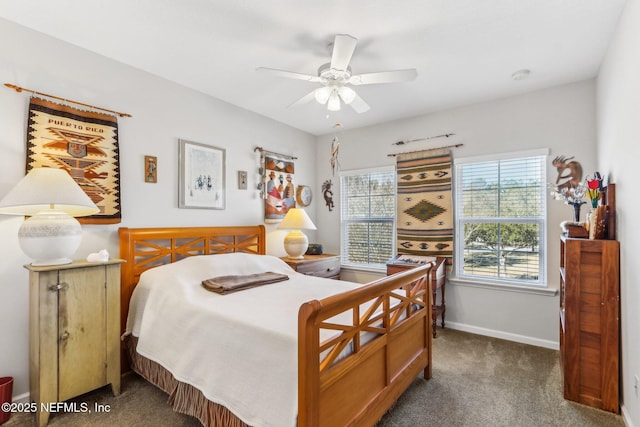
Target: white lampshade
[296,242]
[52,198]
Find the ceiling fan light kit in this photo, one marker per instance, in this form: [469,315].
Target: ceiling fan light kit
[322,94]
[347,94]
[336,75]
[334,101]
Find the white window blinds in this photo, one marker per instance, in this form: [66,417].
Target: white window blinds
[501,219]
[367,217]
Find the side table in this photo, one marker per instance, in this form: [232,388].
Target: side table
[437,278]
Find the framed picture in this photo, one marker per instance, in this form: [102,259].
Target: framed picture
[150,169]
[202,176]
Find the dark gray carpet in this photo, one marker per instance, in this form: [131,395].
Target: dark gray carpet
[477,381]
[488,382]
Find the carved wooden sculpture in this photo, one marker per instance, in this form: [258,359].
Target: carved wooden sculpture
[327,194]
[569,172]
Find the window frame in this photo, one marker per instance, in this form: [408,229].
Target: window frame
[344,221]
[459,221]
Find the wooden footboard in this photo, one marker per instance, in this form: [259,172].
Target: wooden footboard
[390,343]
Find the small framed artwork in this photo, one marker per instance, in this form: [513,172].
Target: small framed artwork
[150,169]
[202,176]
[242,180]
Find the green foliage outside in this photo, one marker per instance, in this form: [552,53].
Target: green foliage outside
[501,231]
[500,240]
[370,208]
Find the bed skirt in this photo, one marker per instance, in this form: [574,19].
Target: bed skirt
[184,398]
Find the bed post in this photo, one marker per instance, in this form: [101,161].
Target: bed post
[308,385]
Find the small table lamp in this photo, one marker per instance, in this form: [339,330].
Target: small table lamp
[51,198]
[296,242]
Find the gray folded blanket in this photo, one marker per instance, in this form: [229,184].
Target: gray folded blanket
[228,284]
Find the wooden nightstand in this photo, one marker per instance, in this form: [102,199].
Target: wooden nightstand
[437,278]
[74,331]
[325,265]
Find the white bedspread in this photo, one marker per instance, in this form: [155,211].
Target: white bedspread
[239,349]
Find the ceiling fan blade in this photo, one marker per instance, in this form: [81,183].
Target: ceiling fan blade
[304,100]
[358,105]
[289,74]
[384,77]
[343,47]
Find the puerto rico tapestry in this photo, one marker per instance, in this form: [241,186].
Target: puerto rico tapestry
[279,187]
[85,144]
[425,217]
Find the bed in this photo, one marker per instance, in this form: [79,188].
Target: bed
[342,357]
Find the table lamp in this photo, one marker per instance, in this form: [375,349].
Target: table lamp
[52,199]
[296,242]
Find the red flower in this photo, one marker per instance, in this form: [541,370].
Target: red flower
[593,184]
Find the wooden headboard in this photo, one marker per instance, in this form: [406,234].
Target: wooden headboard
[145,248]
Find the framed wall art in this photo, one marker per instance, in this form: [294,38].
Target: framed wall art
[201,177]
[151,169]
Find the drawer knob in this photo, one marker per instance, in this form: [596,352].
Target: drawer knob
[64,336]
[59,287]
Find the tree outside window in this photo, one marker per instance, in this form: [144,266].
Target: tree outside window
[500,220]
[367,217]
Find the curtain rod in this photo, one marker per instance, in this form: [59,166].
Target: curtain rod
[262,150]
[444,135]
[20,89]
[426,149]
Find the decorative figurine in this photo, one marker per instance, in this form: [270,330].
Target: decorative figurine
[335,150]
[574,176]
[328,194]
[571,190]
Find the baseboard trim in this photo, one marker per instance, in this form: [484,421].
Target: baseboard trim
[21,398]
[625,417]
[503,335]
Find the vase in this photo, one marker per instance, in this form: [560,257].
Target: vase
[576,212]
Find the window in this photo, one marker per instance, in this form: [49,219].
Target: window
[501,219]
[368,211]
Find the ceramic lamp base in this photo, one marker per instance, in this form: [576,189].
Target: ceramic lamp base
[296,244]
[50,237]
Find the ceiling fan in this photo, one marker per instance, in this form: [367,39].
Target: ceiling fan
[336,77]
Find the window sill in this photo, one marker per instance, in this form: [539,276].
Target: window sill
[362,269]
[503,287]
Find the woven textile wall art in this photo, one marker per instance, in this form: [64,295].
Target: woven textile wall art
[85,144]
[279,183]
[425,215]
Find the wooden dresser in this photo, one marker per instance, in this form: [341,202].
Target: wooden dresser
[325,265]
[590,321]
[74,331]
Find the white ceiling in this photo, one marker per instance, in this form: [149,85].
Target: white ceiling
[465,51]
